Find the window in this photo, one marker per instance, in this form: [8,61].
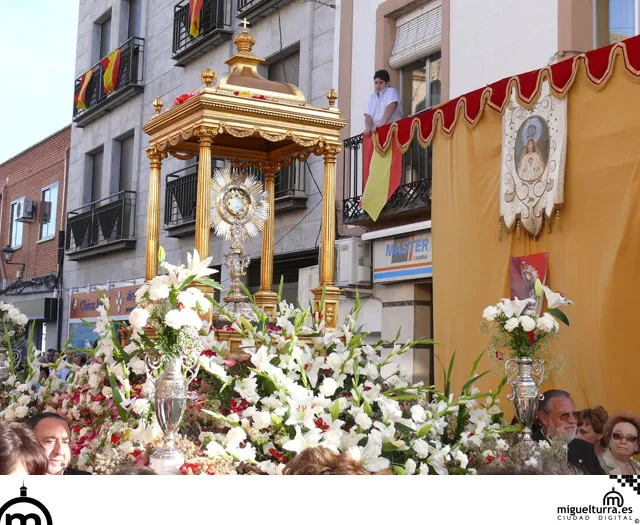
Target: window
[135,7]
[419,94]
[286,69]
[48,229]
[126,163]
[95,162]
[105,37]
[616,20]
[16,227]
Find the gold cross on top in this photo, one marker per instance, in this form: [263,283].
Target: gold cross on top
[245,22]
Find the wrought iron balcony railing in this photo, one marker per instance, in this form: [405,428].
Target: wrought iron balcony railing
[182,188]
[129,84]
[215,28]
[413,195]
[101,226]
[254,10]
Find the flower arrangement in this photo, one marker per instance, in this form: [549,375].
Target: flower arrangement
[12,323]
[296,386]
[518,330]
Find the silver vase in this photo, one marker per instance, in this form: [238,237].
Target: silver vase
[525,374]
[170,401]
[4,363]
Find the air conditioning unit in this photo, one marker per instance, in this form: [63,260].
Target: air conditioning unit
[26,212]
[45,212]
[353,266]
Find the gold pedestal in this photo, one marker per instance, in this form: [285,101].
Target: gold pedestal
[268,302]
[234,342]
[330,310]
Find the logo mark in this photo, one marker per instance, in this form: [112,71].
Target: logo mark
[31,518]
[613,499]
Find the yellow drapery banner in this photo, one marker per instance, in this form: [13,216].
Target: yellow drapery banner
[594,250]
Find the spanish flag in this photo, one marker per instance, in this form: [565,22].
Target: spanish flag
[111,65]
[81,101]
[195,8]
[381,175]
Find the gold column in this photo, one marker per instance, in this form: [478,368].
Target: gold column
[153,213]
[329,310]
[203,198]
[266,298]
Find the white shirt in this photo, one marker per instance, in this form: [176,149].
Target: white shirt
[378,102]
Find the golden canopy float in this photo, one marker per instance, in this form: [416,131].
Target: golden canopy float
[250,121]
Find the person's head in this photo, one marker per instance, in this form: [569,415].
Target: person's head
[20,452]
[52,432]
[322,461]
[531,145]
[557,415]
[50,355]
[621,434]
[80,360]
[56,356]
[591,423]
[135,471]
[381,80]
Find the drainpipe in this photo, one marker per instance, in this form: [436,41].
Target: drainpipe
[61,245]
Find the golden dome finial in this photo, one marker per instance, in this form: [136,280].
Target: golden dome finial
[208,77]
[244,41]
[157,104]
[332,96]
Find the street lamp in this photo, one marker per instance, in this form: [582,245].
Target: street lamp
[7,256]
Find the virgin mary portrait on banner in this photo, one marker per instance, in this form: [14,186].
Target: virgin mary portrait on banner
[533,160]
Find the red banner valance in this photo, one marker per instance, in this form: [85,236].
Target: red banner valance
[598,65]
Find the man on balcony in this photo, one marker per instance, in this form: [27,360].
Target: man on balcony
[383,106]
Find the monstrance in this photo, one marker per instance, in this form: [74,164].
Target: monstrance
[239,208]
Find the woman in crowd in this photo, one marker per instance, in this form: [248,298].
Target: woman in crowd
[621,437]
[20,452]
[591,423]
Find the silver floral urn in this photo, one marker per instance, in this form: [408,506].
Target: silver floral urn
[4,363]
[170,401]
[525,374]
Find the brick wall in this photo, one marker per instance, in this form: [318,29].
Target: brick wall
[24,176]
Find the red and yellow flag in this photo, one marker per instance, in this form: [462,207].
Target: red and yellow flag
[195,9]
[381,175]
[80,101]
[111,65]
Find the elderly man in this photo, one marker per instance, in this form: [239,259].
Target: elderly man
[557,419]
[53,434]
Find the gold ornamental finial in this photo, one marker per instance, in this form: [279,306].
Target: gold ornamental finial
[208,77]
[157,104]
[332,96]
[244,41]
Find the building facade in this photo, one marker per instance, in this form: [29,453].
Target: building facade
[434,50]
[32,190]
[109,169]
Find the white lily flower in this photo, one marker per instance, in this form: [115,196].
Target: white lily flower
[554,299]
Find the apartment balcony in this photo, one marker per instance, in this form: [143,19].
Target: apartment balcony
[129,84]
[255,10]
[104,226]
[215,28]
[411,200]
[182,188]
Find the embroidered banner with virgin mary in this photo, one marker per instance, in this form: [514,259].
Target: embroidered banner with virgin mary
[533,160]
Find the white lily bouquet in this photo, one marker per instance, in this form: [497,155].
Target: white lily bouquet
[516,328]
[166,322]
[12,323]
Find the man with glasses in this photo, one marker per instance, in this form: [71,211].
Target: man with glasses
[557,418]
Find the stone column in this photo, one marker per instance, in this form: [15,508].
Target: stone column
[266,298]
[329,306]
[153,213]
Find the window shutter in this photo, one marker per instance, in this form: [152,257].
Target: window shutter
[286,69]
[417,38]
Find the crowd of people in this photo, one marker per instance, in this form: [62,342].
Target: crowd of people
[596,444]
